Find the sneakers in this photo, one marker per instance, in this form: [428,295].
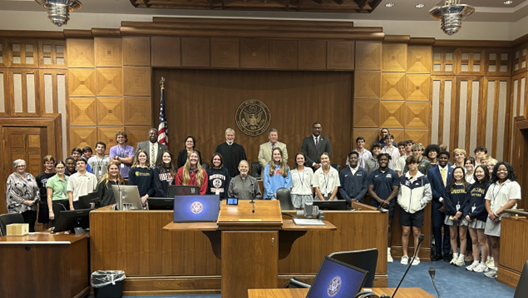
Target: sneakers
[490,263]
[416,261]
[472,266]
[404,260]
[459,261]
[492,273]
[389,258]
[454,259]
[481,267]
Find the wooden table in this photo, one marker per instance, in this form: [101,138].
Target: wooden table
[301,293]
[44,265]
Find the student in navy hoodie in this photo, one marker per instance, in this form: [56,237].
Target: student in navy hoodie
[454,201]
[218,176]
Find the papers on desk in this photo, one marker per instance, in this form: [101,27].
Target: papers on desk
[308,222]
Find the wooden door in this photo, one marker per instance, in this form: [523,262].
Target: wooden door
[27,143]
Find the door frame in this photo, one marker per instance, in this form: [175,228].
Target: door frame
[53,125]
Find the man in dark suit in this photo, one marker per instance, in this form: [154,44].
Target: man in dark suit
[314,145]
[153,148]
[439,177]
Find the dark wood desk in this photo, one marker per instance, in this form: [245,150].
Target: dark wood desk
[44,265]
[301,293]
[513,252]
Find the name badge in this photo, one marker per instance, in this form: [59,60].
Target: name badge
[473,208]
[122,165]
[457,207]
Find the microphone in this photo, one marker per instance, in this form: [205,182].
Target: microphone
[432,273]
[420,239]
[252,197]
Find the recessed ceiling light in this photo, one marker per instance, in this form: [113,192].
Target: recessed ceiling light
[420,5]
[508,2]
[389,5]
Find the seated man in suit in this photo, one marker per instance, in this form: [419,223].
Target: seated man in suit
[153,148]
[314,145]
[264,155]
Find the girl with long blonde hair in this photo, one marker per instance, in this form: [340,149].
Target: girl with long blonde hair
[192,173]
[104,187]
[277,174]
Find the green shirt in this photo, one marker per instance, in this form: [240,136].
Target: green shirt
[60,187]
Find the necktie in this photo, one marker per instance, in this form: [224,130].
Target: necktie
[316,142]
[152,156]
[444,176]
[272,147]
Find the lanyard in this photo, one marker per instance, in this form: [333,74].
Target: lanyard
[495,194]
[301,178]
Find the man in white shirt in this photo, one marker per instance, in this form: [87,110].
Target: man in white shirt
[405,148]
[80,184]
[364,154]
[99,162]
[153,148]
[391,150]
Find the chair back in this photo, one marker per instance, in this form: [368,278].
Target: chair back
[336,166]
[205,166]
[522,287]
[256,169]
[365,259]
[283,195]
[7,219]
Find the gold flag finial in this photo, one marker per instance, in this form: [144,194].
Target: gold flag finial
[162,82]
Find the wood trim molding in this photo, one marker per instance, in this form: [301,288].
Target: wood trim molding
[473,43]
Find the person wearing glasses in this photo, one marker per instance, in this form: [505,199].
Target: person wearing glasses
[22,194]
[57,192]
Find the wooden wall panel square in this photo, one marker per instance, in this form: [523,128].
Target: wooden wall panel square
[366,112]
[165,51]
[107,135]
[254,53]
[394,57]
[312,54]
[52,54]
[393,86]
[418,87]
[81,82]
[367,84]
[340,55]
[4,82]
[225,52]
[371,135]
[109,81]
[83,111]
[5,59]
[108,51]
[368,55]
[137,134]
[392,114]
[417,115]
[399,134]
[195,52]
[136,51]
[81,52]
[138,111]
[418,136]
[82,136]
[137,80]
[283,54]
[110,111]
[23,53]
[419,59]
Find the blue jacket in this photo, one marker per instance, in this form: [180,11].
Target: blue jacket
[437,185]
[476,197]
[272,183]
[353,186]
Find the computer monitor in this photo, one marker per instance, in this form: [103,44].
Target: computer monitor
[337,279]
[73,220]
[196,208]
[127,197]
[160,203]
[366,259]
[331,205]
[183,190]
[86,200]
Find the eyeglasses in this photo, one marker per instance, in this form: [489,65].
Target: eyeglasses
[21,166]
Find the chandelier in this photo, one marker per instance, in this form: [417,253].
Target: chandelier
[59,10]
[451,15]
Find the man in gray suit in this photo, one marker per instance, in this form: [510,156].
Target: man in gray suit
[153,148]
[314,145]
[264,155]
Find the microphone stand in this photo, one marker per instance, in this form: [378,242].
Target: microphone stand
[420,239]
[432,273]
[252,197]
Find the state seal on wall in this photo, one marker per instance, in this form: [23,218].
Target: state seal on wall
[253,117]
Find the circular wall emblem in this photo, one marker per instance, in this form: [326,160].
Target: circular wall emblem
[334,286]
[253,117]
[196,207]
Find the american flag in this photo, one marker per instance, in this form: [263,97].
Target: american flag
[163,129]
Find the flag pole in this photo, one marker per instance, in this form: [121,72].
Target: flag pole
[163,129]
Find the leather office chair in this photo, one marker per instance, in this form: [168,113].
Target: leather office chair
[205,166]
[283,195]
[256,169]
[336,166]
[7,219]
[522,287]
[365,259]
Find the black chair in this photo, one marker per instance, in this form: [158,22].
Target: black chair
[336,166]
[365,259]
[256,169]
[522,287]
[283,195]
[7,219]
[205,166]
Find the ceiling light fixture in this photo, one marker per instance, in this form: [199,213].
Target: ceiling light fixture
[420,5]
[389,5]
[59,10]
[508,2]
[451,15]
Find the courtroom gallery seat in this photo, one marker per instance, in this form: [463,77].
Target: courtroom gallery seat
[7,219]
[256,169]
[522,287]
[336,166]
[283,195]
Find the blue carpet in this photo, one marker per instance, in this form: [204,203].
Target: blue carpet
[450,280]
